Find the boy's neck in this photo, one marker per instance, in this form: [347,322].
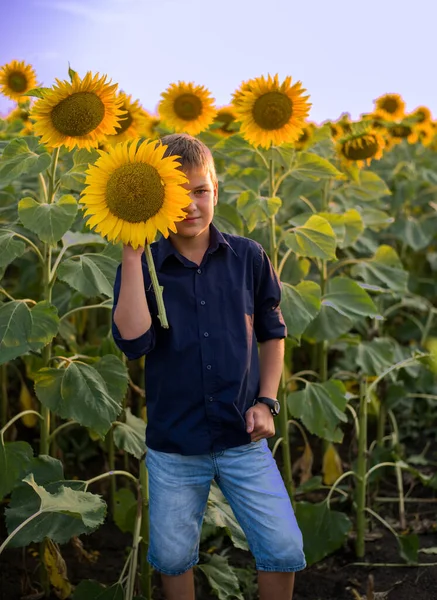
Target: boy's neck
[192,248]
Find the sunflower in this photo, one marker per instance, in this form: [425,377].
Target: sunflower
[306,137]
[152,124]
[402,130]
[361,146]
[132,124]
[390,107]
[187,108]
[226,118]
[78,113]
[270,112]
[238,95]
[132,192]
[17,78]
[22,113]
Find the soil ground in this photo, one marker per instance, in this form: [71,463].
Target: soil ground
[334,578]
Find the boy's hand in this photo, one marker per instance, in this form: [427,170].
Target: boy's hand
[259,422]
[129,253]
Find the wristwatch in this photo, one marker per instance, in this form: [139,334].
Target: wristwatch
[272,403]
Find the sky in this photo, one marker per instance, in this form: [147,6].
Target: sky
[346,53]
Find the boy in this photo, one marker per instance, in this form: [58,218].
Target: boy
[210,399]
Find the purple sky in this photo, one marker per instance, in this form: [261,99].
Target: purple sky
[345,53]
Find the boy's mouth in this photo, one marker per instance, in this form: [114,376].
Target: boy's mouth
[188,219]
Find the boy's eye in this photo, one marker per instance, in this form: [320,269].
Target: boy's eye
[201,191]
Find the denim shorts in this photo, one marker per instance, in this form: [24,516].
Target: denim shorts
[249,478]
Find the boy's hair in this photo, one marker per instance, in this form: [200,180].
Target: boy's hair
[193,152]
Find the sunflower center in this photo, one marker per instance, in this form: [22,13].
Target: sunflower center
[17,81]
[124,123]
[361,148]
[78,114]
[188,107]
[390,105]
[401,131]
[226,119]
[272,110]
[135,192]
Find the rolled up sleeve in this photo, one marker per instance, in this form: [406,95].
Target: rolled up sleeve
[268,320]
[137,347]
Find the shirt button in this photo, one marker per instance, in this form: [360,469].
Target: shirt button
[209,367]
[199,271]
[210,398]
[206,334]
[202,302]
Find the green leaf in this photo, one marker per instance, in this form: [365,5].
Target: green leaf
[417,235]
[22,330]
[131,435]
[320,407]
[221,578]
[323,530]
[227,219]
[376,356]
[370,187]
[38,92]
[15,458]
[88,507]
[409,547]
[125,510]
[74,179]
[375,219]
[22,155]
[15,330]
[59,526]
[92,590]
[354,227]
[315,238]
[76,238]
[8,207]
[300,304]
[385,268]
[220,514]
[249,204]
[10,248]
[71,73]
[48,221]
[342,305]
[81,393]
[233,146]
[273,204]
[89,274]
[45,325]
[311,167]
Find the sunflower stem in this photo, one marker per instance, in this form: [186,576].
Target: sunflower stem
[283,415]
[162,315]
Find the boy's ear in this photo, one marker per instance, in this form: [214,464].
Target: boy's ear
[216,194]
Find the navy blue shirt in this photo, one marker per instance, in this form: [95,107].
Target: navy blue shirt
[202,374]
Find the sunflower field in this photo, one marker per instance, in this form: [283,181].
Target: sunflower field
[347,211]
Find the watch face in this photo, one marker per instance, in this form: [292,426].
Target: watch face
[277,407]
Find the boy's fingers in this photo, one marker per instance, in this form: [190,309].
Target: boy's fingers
[250,421]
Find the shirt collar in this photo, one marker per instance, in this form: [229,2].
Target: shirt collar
[165,248]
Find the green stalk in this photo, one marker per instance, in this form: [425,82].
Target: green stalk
[162,315]
[146,569]
[44,446]
[361,473]
[5,397]
[323,347]
[283,414]
[382,418]
[111,464]
[130,587]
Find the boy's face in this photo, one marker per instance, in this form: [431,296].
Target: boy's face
[200,211]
